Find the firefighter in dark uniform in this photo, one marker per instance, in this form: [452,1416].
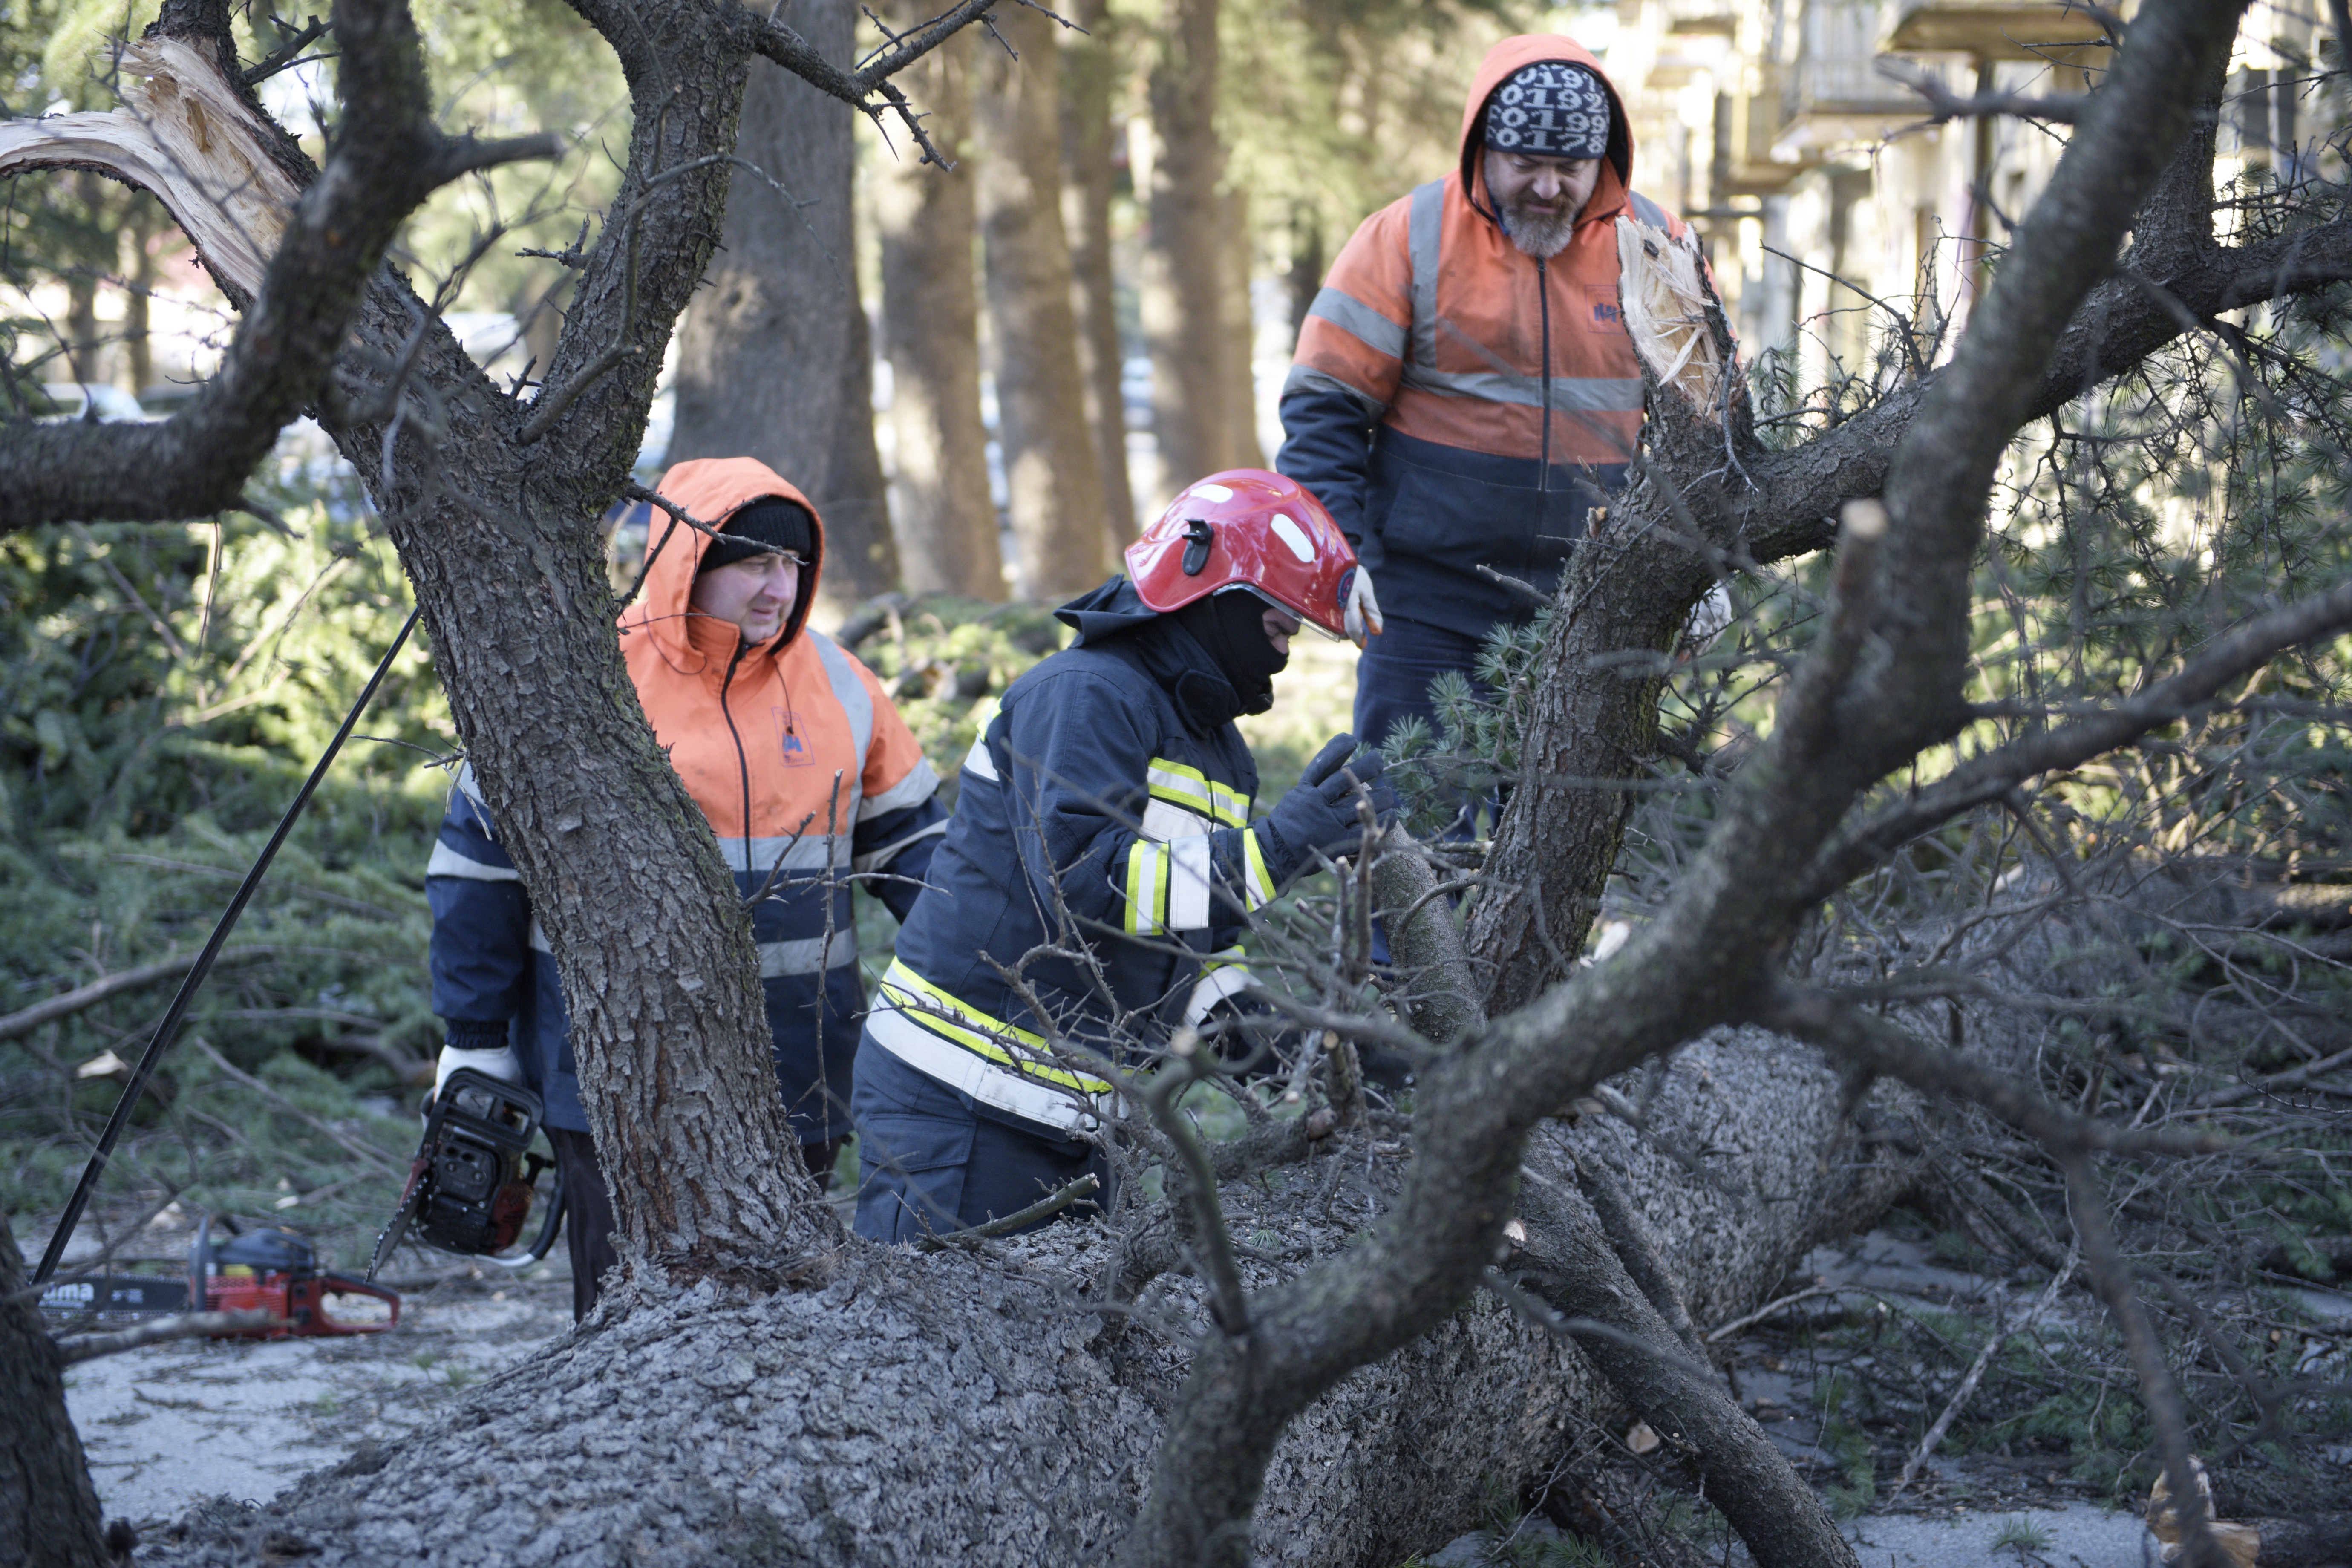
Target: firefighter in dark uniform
[1102,862]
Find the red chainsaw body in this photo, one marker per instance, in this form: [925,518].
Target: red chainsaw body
[297,1301]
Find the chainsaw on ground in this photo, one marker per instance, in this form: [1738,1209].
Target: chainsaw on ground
[275,1271]
[469,1187]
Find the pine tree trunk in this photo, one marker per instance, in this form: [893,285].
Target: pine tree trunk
[1051,468]
[1184,304]
[930,334]
[958,1407]
[1087,67]
[49,1511]
[774,357]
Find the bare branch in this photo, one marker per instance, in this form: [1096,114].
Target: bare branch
[1052,1203]
[1987,778]
[155,1330]
[286,54]
[24,1020]
[1883,1047]
[2111,1276]
[1943,104]
[386,160]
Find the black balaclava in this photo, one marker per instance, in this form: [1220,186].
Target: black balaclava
[1231,627]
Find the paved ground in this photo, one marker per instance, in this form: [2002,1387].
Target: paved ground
[169,1424]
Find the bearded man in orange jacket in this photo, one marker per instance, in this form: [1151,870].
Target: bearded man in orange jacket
[1465,391]
[808,776]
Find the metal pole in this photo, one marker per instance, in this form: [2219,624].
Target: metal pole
[169,1029]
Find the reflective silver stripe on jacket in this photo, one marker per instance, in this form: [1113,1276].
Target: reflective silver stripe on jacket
[858,704]
[1569,394]
[1424,227]
[807,853]
[447,862]
[1358,320]
[951,1065]
[807,955]
[919,785]
[891,851]
[1307,378]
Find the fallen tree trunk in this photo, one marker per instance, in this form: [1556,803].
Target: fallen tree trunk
[947,1407]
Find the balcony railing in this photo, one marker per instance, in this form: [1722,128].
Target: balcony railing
[1994,29]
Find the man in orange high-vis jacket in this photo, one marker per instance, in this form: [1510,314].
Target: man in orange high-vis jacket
[808,776]
[1465,391]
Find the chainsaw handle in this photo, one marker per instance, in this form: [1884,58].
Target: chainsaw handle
[344,1285]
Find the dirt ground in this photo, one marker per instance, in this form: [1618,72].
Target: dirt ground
[166,1424]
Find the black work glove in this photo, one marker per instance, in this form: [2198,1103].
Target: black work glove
[1320,813]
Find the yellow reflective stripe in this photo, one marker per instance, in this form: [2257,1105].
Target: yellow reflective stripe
[1187,787]
[974,1030]
[1146,888]
[1257,881]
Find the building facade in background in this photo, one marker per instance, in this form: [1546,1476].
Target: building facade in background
[1838,219]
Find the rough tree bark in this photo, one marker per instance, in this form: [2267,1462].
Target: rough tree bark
[774,357]
[1089,66]
[1051,468]
[49,1511]
[948,1408]
[1184,307]
[930,334]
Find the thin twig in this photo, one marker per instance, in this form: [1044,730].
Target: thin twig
[178,1326]
[26,1020]
[1770,1309]
[1052,1203]
[368,1152]
[2000,1337]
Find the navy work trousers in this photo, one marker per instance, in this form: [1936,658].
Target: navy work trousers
[931,1160]
[1393,679]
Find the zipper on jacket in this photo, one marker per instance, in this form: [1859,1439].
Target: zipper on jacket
[1543,308]
[742,759]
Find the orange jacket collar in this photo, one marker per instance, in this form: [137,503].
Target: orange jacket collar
[1608,198]
[710,490]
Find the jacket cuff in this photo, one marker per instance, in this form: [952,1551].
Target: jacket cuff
[465,1035]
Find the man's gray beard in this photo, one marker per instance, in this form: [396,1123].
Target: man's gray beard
[1538,235]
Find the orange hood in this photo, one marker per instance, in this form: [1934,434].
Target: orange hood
[1509,56]
[711,489]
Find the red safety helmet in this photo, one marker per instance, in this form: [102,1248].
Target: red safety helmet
[1248,527]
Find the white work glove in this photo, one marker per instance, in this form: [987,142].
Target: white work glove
[1363,620]
[501,1064]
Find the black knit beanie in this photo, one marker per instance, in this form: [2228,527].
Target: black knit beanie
[1550,110]
[772,520]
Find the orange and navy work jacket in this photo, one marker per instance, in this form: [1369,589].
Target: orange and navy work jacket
[1455,401]
[808,776]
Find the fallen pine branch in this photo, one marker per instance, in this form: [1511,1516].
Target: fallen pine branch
[24,1020]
